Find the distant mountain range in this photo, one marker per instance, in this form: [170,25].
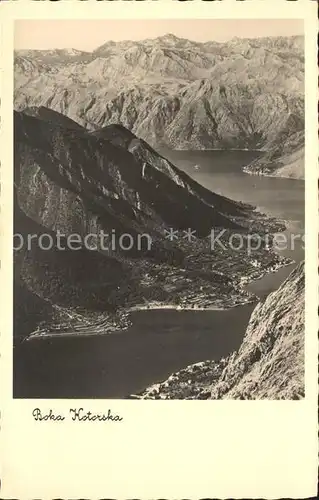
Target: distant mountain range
[71,181]
[177,93]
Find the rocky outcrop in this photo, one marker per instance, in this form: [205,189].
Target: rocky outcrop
[174,92]
[283,160]
[268,365]
[270,362]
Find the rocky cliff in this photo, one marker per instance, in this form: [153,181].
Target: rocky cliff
[285,159]
[71,182]
[173,92]
[269,363]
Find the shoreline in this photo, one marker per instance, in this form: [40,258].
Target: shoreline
[241,284]
[218,149]
[157,306]
[173,307]
[260,173]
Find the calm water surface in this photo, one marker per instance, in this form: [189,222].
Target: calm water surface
[117,365]
[160,342]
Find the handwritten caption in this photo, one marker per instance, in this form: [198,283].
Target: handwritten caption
[75,414]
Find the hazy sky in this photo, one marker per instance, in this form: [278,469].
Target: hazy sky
[87,35]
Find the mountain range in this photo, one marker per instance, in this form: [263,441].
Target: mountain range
[177,93]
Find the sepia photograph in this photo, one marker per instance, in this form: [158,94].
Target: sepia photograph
[159,209]
[159,242]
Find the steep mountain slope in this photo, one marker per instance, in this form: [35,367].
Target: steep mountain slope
[71,184]
[120,186]
[49,115]
[174,92]
[283,160]
[269,363]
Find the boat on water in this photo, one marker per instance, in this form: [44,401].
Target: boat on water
[196,167]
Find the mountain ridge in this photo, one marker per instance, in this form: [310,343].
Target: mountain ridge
[70,181]
[176,93]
